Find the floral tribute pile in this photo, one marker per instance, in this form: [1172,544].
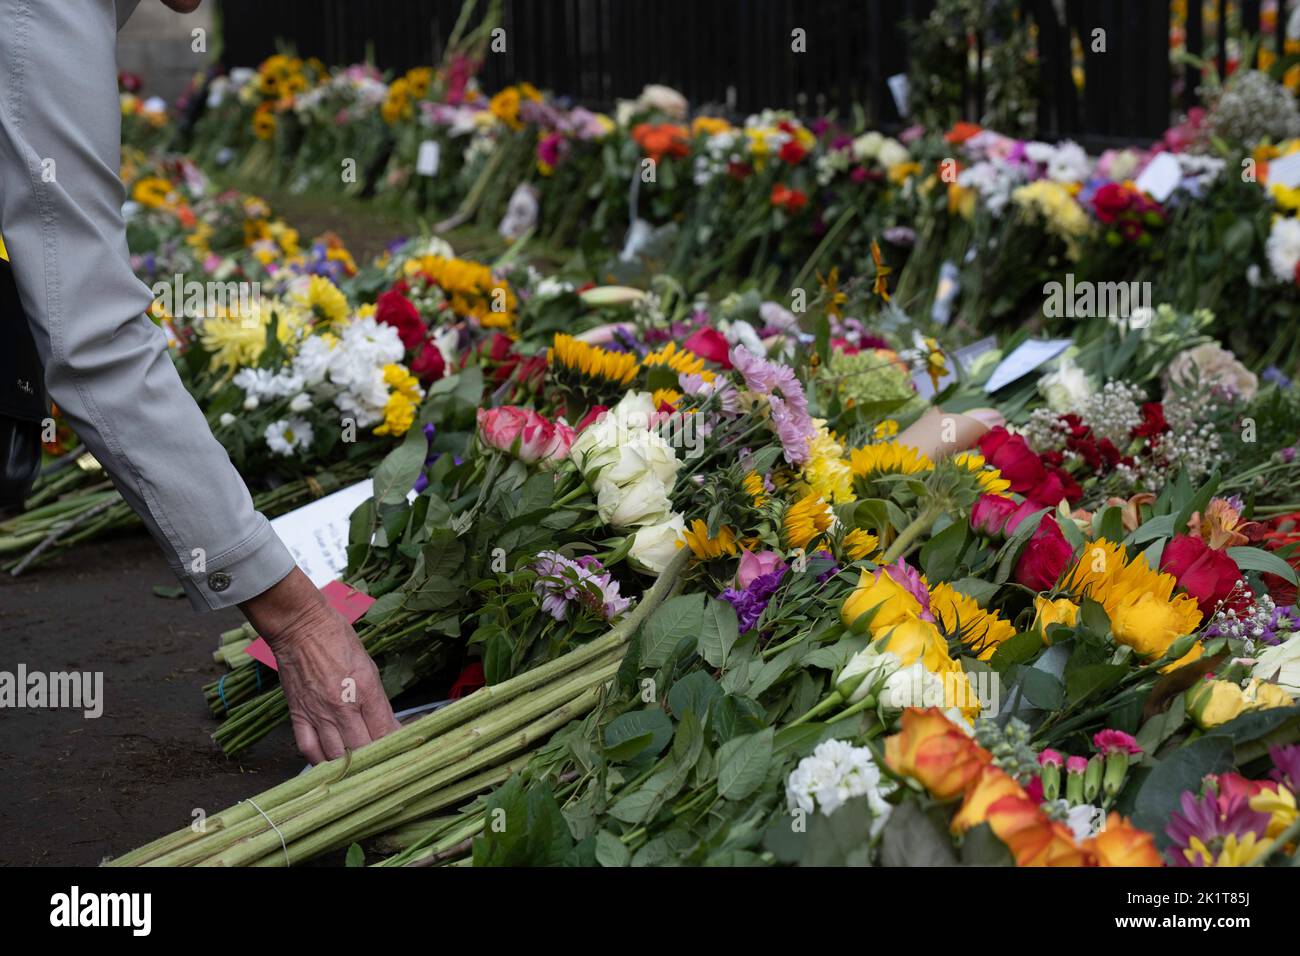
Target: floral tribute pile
[713,574]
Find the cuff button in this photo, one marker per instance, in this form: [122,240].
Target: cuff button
[218,580]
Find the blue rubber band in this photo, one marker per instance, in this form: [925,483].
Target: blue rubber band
[221,691]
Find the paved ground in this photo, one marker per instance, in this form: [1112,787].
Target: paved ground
[78,790]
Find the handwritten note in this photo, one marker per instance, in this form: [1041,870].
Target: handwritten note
[317,533]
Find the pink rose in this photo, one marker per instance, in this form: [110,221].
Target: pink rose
[525,434]
[990,514]
[1045,556]
[754,564]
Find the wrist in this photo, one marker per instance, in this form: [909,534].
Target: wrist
[279,612]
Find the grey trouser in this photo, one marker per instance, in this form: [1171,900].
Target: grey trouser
[106,364]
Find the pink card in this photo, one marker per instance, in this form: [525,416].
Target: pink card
[347,600]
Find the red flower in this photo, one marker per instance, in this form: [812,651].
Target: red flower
[711,345]
[595,413]
[1205,574]
[393,308]
[429,365]
[791,200]
[1045,556]
[791,152]
[1110,201]
[1153,421]
[1012,456]
[990,514]
[1058,484]
[470,680]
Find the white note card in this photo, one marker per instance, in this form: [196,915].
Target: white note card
[317,533]
[429,158]
[1285,171]
[1027,356]
[1161,177]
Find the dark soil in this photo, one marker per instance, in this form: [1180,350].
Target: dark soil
[77,790]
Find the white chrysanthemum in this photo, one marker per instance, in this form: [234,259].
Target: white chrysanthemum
[300,402]
[312,362]
[835,773]
[1283,248]
[287,436]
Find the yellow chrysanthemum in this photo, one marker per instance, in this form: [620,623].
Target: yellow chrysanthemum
[709,126]
[806,520]
[826,471]
[753,485]
[399,410]
[682,361]
[960,614]
[990,479]
[1234,851]
[592,361]
[885,430]
[888,458]
[324,300]
[1280,806]
[857,544]
[153,192]
[704,547]
[236,340]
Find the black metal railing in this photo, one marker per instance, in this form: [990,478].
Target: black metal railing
[737,54]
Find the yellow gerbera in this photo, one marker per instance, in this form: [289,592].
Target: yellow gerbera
[324,300]
[703,546]
[806,520]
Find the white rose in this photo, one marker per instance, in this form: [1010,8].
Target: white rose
[1067,388]
[628,506]
[664,99]
[892,153]
[1209,365]
[867,146]
[872,666]
[655,544]
[1280,664]
[912,686]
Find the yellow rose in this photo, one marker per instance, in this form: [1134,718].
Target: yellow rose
[1060,611]
[1149,624]
[895,602]
[1214,702]
[913,639]
[1264,695]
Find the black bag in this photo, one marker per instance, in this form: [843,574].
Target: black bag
[22,396]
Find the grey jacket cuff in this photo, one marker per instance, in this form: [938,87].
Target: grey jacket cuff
[255,564]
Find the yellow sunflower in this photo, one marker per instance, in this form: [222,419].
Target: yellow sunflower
[888,458]
[703,546]
[806,520]
[592,361]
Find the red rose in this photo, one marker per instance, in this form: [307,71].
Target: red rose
[591,416]
[1153,421]
[711,345]
[429,365]
[393,308]
[990,514]
[1205,574]
[1045,556]
[791,152]
[1111,200]
[1012,456]
[1057,484]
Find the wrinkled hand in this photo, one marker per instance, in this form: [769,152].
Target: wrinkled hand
[336,700]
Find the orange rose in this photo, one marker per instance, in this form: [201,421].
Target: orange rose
[1122,844]
[936,753]
[1032,838]
[992,785]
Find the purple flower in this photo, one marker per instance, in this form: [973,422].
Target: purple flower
[1276,376]
[1286,763]
[562,581]
[1211,820]
[751,602]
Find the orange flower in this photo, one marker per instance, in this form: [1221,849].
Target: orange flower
[661,139]
[990,786]
[791,200]
[961,132]
[1032,838]
[1120,843]
[935,752]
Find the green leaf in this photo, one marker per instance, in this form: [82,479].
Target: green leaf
[1042,689]
[610,850]
[1081,682]
[673,622]
[981,847]
[1016,650]
[1257,559]
[719,633]
[911,838]
[636,724]
[979,589]
[1159,526]
[743,763]
[400,468]
[1197,503]
[694,692]
[356,856]
[939,555]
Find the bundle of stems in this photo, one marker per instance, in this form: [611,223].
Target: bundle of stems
[439,761]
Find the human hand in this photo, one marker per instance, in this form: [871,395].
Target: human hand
[332,687]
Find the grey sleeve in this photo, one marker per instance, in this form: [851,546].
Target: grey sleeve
[106,363]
